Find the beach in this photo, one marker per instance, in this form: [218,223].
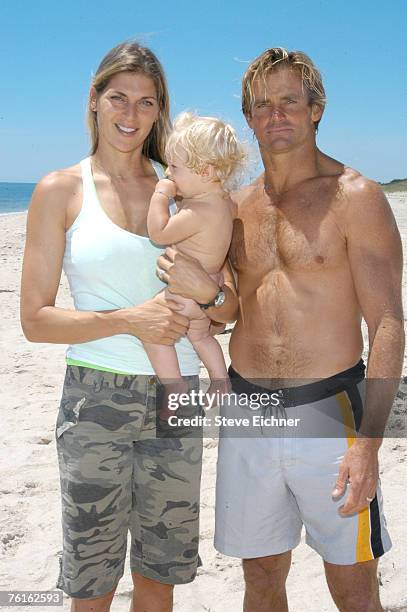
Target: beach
[30,531]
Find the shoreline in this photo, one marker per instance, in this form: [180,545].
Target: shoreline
[390,196]
[12,213]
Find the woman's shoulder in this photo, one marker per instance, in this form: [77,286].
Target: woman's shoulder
[57,190]
[65,179]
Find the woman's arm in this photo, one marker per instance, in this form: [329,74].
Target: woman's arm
[41,320]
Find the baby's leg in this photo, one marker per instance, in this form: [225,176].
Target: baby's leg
[162,357]
[208,349]
[190,308]
[210,353]
[164,360]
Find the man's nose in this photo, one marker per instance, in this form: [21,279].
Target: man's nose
[277,114]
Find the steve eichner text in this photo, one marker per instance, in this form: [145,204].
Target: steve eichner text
[222,421]
[252,401]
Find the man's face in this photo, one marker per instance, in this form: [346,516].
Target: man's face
[282,117]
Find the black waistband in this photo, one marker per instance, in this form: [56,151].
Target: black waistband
[302,394]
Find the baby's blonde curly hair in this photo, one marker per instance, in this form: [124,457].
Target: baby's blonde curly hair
[208,141]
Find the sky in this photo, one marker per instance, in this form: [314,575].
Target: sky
[50,49]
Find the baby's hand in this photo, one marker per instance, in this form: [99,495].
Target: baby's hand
[167,187]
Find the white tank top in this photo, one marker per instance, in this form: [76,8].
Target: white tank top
[107,268]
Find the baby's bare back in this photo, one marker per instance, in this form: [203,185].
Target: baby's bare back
[211,244]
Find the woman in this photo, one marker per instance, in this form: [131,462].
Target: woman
[91,220]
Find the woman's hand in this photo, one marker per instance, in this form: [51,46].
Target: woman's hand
[185,276]
[156,321]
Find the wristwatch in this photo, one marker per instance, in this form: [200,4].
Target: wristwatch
[217,301]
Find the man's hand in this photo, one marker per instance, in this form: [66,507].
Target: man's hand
[360,466]
[185,276]
[216,328]
[156,321]
[166,187]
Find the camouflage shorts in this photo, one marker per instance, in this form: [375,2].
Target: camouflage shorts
[117,476]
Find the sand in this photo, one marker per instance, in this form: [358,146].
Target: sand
[30,532]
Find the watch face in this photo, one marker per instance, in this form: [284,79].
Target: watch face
[220,299]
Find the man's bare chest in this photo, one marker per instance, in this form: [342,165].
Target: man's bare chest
[304,236]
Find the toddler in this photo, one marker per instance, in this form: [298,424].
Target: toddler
[203,155]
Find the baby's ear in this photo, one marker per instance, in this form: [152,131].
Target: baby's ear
[208,173]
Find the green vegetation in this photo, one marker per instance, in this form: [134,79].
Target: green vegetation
[395,185]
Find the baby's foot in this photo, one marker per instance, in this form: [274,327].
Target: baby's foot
[169,398]
[217,388]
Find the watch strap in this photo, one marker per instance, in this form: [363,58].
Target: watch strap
[212,302]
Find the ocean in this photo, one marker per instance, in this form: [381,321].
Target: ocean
[15,197]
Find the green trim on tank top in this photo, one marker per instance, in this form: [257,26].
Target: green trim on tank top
[84,364]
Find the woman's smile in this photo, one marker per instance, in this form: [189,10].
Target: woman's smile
[126,131]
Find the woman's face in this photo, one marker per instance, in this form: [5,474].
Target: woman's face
[126,110]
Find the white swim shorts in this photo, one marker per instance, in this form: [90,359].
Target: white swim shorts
[278,475]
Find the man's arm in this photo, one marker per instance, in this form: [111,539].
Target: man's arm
[376,260]
[375,257]
[227,313]
[185,276]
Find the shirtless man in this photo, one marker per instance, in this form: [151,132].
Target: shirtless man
[315,248]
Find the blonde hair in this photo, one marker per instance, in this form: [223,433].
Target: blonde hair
[277,58]
[209,141]
[131,57]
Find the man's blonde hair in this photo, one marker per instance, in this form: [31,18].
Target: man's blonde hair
[277,58]
[208,141]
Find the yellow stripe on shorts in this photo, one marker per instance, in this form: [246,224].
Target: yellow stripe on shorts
[363,549]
